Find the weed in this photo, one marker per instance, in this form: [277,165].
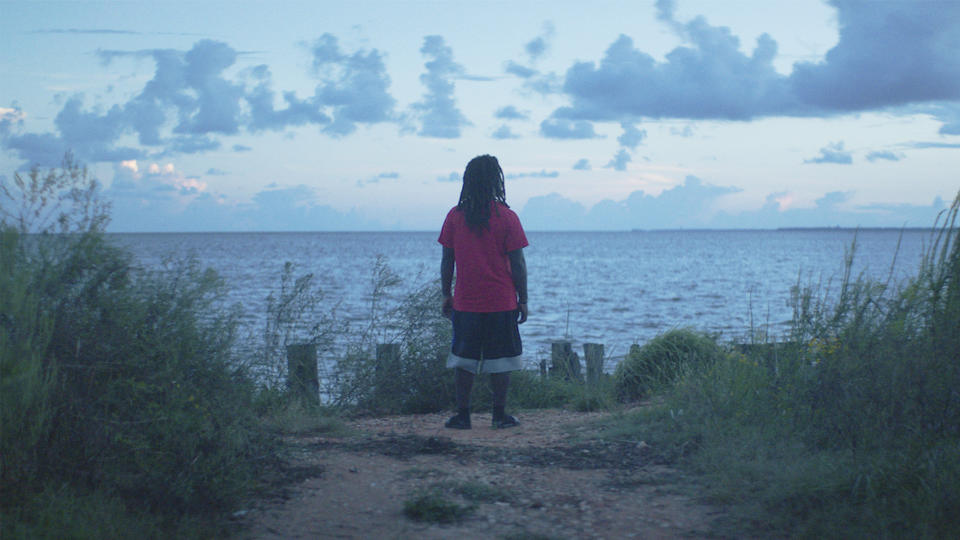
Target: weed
[434,507]
[850,428]
[662,361]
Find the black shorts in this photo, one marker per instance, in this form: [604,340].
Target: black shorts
[490,338]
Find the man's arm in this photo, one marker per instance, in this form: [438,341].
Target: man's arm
[518,268]
[446,281]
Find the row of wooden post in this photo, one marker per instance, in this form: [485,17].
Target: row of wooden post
[303,378]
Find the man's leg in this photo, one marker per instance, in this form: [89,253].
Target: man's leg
[463,380]
[501,383]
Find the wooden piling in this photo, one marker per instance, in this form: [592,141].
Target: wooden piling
[302,377]
[593,357]
[564,362]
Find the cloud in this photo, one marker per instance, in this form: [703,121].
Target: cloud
[692,205]
[546,83]
[159,198]
[354,87]
[562,128]
[619,161]
[521,71]
[508,112]
[377,178]
[949,114]
[297,208]
[191,144]
[543,173]
[553,212]
[888,54]
[438,111]
[190,102]
[297,112]
[582,165]
[923,145]
[10,118]
[533,79]
[452,177]
[710,78]
[884,154]
[686,205]
[216,172]
[832,209]
[241,148]
[832,153]
[536,47]
[158,183]
[503,132]
[90,135]
[631,136]
[190,84]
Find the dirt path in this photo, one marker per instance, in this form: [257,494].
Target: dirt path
[542,479]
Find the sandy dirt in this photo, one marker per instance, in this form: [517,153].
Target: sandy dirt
[543,479]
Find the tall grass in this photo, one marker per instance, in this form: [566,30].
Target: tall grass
[412,378]
[118,391]
[852,427]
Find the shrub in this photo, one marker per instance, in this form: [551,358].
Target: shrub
[662,362]
[433,506]
[397,364]
[115,382]
[848,430]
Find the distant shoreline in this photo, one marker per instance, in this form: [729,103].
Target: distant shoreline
[777,229]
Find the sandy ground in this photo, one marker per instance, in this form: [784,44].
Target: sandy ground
[542,479]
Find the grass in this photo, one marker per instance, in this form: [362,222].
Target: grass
[441,503]
[125,410]
[122,410]
[849,429]
[434,506]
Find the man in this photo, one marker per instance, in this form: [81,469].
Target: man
[483,239]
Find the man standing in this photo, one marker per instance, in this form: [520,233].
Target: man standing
[483,239]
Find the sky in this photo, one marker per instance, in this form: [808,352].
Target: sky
[361,115]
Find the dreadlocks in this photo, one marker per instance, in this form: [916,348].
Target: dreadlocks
[482,183]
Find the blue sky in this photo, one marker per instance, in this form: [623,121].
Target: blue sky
[605,115]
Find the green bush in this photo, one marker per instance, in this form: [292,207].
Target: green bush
[849,429]
[114,381]
[662,361]
[412,377]
[397,364]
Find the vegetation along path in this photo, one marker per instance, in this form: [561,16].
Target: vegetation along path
[408,477]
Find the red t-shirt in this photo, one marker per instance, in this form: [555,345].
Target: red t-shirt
[484,280]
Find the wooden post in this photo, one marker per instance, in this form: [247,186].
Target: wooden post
[593,356]
[302,377]
[564,362]
[543,368]
[387,369]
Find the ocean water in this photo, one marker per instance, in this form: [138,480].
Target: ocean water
[615,288]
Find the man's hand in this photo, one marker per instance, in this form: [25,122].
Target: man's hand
[447,307]
[521,313]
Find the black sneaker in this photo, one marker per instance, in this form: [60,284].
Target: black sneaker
[506,421]
[458,421]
